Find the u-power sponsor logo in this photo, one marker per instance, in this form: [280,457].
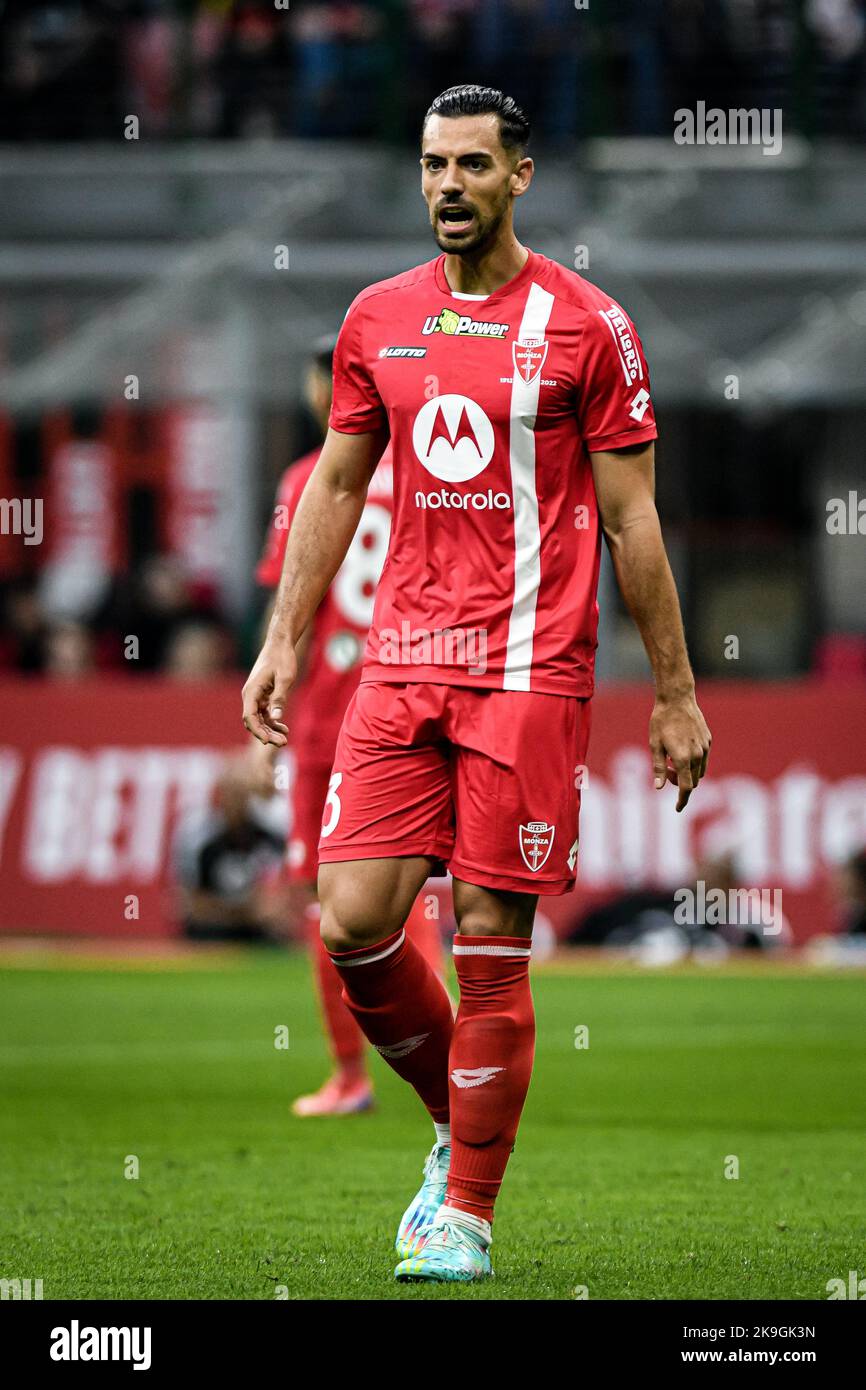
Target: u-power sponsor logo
[463,326]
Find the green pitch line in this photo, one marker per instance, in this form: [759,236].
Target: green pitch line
[617,1185]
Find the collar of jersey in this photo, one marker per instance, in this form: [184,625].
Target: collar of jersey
[516,282]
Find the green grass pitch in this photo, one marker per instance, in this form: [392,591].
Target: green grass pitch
[617,1185]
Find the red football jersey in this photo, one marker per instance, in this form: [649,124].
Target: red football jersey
[494,404]
[342,621]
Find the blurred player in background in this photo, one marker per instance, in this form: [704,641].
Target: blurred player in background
[330,659]
[227,867]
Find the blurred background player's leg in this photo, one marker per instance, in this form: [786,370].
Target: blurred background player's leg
[349,1089]
[424,931]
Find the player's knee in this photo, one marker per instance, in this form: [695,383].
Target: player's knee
[489,921]
[340,931]
[478,923]
[346,922]
[483,912]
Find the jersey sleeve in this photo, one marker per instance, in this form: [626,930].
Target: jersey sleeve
[270,566]
[614,406]
[357,406]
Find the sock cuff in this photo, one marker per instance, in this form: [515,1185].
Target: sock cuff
[510,947]
[460,1217]
[368,954]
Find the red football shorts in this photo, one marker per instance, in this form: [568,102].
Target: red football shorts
[487,782]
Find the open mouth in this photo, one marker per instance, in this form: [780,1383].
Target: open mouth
[456,219]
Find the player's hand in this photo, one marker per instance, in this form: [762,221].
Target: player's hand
[267,691]
[680,742]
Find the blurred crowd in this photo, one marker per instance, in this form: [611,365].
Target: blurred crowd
[155,622]
[74,69]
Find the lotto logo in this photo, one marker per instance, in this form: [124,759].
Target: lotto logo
[402,352]
[640,405]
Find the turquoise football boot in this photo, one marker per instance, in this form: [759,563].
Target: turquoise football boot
[421,1212]
[452,1253]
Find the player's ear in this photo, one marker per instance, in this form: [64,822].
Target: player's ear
[521,176]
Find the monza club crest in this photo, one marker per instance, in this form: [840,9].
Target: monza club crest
[529,358]
[536,842]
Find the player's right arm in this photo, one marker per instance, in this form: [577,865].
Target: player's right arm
[326,519]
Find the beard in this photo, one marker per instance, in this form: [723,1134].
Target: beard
[480,236]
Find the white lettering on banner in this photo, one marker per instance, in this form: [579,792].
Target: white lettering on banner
[628,772]
[57,824]
[104,814]
[744,826]
[10,773]
[786,831]
[799,791]
[843,827]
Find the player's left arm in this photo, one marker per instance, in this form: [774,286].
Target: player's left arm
[625,486]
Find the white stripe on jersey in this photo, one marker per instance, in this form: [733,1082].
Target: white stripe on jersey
[527,531]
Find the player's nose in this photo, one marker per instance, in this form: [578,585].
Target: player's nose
[452,181]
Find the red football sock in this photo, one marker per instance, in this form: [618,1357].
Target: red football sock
[345,1039]
[425,932]
[489,1065]
[404,1009]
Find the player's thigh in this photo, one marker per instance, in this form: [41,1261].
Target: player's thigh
[366,900]
[389,794]
[388,818]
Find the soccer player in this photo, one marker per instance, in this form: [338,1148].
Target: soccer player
[517,400]
[331,658]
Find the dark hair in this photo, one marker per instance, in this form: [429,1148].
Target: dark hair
[322,352]
[470,100]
